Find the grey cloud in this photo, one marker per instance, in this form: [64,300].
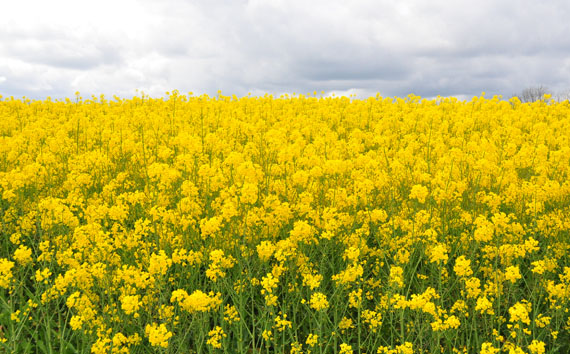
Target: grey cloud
[376,67]
[28,86]
[54,48]
[395,48]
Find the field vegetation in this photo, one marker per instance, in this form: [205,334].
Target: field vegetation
[292,224]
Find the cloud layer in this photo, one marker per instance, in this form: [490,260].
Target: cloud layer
[430,48]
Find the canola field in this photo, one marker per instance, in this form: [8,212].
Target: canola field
[292,224]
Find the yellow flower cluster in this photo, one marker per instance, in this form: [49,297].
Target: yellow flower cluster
[5,272]
[215,336]
[198,301]
[285,224]
[158,335]
[319,301]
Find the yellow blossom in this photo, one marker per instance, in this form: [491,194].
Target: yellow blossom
[5,272]
[130,304]
[215,336]
[319,301]
[23,255]
[158,335]
[512,274]
[312,340]
[419,192]
[462,267]
[537,347]
[345,349]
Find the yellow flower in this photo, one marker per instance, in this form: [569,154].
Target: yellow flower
[452,322]
[219,263]
[484,306]
[15,238]
[231,314]
[158,335]
[373,319]
[269,283]
[296,348]
[345,324]
[345,349]
[438,253]
[520,312]
[281,322]
[130,304]
[406,348]
[488,348]
[419,192]
[355,298]
[43,275]
[267,335]
[15,316]
[512,274]
[265,250]
[198,301]
[312,340]
[472,285]
[396,277]
[542,321]
[351,253]
[159,264]
[210,227]
[76,322]
[215,336]
[319,301]
[538,267]
[349,275]
[485,229]
[462,267]
[312,280]
[119,340]
[23,255]
[537,347]
[5,272]
[249,193]
[302,232]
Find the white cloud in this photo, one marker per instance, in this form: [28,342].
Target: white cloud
[395,48]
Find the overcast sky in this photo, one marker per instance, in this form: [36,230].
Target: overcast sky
[449,48]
